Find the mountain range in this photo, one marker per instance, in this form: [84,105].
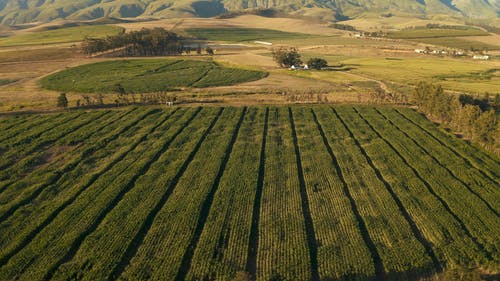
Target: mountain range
[26,11]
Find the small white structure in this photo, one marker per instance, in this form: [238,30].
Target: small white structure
[481,57]
[420,51]
[299,67]
[263,43]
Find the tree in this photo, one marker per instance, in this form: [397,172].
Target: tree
[317,63]
[485,128]
[122,94]
[469,115]
[286,57]
[144,42]
[209,51]
[62,100]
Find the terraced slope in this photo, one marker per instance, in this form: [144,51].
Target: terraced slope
[298,193]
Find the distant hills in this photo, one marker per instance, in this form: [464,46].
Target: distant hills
[26,11]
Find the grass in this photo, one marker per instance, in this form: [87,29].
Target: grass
[458,43]
[435,33]
[412,70]
[147,75]
[63,35]
[339,193]
[39,54]
[244,34]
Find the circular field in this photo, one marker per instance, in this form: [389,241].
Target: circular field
[146,76]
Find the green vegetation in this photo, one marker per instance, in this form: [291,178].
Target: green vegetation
[436,32]
[144,42]
[244,34]
[276,193]
[63,35]
[411,71]
[62,100]
[474,118]
[146,76]
[7,81]
[317,63]
[286,57]
[458,43]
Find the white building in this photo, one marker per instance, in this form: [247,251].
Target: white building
[481,57]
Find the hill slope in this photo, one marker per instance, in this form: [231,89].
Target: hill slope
[23,11]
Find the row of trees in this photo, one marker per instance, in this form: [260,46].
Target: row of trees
[475,118]
[144,42]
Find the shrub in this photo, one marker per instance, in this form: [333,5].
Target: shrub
[317,63]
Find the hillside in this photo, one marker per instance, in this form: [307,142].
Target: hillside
[25,11]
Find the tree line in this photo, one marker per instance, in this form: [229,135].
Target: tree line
[475,118]
[144,42]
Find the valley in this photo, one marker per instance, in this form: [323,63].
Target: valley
[196,140]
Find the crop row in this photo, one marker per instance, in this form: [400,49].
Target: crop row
[299,193]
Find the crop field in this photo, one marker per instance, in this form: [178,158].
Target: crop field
[298,193]
[244,34]
[436,33]
[413,70]
[459,43]
[147,75]
[63,35]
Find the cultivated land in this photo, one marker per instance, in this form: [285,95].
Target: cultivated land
[361,64]
[61,35]
[146,76]
[238,177]
[306,193]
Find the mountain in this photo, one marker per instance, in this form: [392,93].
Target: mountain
[25,11]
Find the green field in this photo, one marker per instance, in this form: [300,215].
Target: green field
[244,34]
[302,193]
[458,43]
[413,70]
[63,35]
[435,33]
[147,75]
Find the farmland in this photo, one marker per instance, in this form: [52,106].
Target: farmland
[201,193]
[145,76]
[244,34]
[437,32]
[458,43]
[63,35]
